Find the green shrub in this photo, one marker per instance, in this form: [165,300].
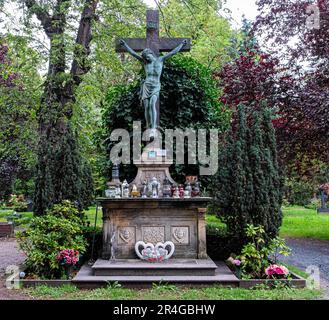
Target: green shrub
[256,255]
[47,235]
[65,210]
[298,192]
[314,204]
[17,203]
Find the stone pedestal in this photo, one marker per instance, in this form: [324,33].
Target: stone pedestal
[182,221]
[154,162]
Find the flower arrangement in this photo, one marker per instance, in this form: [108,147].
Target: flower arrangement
[277,271]
[154,254]
[68,257]
[234,261]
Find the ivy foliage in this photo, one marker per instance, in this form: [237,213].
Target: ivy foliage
[189,98]
[19,93]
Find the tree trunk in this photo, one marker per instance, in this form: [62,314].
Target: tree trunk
[60,165]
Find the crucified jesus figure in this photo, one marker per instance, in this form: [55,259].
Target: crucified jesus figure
[150,88]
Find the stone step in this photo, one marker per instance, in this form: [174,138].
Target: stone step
[223,276]
[172,267]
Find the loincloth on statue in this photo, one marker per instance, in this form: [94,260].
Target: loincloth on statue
[149,89]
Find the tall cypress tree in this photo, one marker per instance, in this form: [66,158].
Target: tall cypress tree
[274,181]
[234,178]
[259,198]
[249,185]
[62,174]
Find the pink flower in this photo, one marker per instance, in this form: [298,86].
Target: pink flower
[68,257]
[274,269]
[237,262]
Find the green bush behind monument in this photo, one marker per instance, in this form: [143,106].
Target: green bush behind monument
[189,99]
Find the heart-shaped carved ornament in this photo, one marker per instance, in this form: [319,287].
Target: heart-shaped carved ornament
[155,253]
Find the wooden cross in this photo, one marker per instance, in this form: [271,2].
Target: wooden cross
[153,42]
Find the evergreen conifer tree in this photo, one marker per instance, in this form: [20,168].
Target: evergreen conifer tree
[62,174]
[233,178]
[249,185]
[275,182]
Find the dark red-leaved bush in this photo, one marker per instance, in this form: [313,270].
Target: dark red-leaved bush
[257,79]
[297,31]
[249,79]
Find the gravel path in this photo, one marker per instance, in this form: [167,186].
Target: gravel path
[310,252]
[9,255]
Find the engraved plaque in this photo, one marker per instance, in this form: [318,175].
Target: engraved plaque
[153,234]
[180,235]
[126,235]
[148,175]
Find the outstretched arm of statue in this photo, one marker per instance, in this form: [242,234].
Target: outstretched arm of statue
[130,50]
[176,50]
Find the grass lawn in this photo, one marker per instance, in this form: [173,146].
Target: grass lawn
[170,292]
[22,222]
[299,222]
[91,213]
[4,214]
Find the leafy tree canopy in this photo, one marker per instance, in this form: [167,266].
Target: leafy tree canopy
[19,93]
[301,28]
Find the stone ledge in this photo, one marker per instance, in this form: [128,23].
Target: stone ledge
[144,203]
[171,267]
[223,276]
[169,264]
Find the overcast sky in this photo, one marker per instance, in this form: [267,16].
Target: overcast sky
[242,7]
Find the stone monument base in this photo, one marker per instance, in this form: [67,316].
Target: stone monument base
[140,274]
[181,221]
[154,162]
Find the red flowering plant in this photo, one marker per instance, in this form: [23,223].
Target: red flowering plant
[277,271]
[68,258]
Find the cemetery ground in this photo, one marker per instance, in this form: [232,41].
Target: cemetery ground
[306,232]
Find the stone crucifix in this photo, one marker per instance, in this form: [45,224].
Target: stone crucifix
[153,62]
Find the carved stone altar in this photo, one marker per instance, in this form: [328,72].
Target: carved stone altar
[181,221]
